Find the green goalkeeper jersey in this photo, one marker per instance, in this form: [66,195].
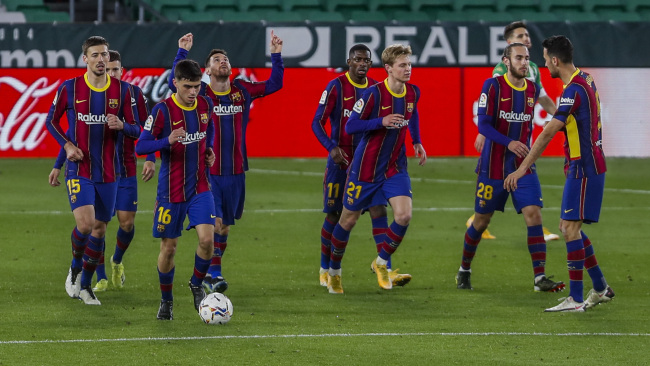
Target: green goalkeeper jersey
[532,74]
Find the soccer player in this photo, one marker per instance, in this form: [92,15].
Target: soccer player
[127,193]
[232,105]
[578,116]
[378,166]
[517,32]
[505,117]
[336,104]
[97,107]
[182,128]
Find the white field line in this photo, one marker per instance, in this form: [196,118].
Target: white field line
[329,335]
[320,210]
[431,180]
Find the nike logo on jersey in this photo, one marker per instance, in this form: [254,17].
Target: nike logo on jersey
[135,202]
[177,122]
[382,107]
[81,101]
[569,210]
[348,98]
[213,217]
[505,99]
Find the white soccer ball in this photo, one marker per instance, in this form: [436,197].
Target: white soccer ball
[215,308]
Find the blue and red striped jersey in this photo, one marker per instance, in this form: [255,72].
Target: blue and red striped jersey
[232,110]
[579,109]
[86,108]
[509,110]
[381,152]
[126,144]
[336,104]
[183,170]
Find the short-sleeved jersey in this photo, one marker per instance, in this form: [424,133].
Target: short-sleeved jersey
[183,170]
[381,153]
[579,109]
[126,144]
[336,104]
[511,113]
[86,108]
[532,74]
[232,109]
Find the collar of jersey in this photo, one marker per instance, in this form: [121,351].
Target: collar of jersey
[220,93]
[365,85]
[108,83]
[182,106]
[505,76]
[400,95]
[572,76]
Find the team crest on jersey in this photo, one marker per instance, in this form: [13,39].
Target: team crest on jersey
[236,97]
[481,203]
[530,101]
[323,97]
[409,107]
[358,106]
[330,203]
[149,123]
[350,201]
[73,198]
[204,118]
[482,102]
[589,80]
[160,228]
[113,103]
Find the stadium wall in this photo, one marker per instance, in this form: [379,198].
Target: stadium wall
[452,61]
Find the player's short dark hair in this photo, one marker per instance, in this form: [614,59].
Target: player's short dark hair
[188,70]
[510,28]
[212,53]
[560,47]
[114,56]
[359,47]
[508,50]
[93,41]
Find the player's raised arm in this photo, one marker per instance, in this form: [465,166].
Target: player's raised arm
[185,44]
[276,43]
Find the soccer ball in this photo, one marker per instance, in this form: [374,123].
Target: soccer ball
[215,308]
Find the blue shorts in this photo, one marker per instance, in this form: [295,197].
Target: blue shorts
[82,191]
[127,194]
[360,195]
[333,184]
[582,198]
[168,217]
[229,193]
[491,196]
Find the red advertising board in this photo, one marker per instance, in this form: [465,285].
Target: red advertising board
[280,124]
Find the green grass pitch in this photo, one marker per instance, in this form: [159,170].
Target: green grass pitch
[283,317]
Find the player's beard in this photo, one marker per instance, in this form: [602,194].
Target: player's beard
[97,72]
[517,73]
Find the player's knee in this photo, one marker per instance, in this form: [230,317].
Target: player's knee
[167,251]
[403,218]
[127,226]
[481,222]
[377,211]
[333,217]
[206,247]
[224,230]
